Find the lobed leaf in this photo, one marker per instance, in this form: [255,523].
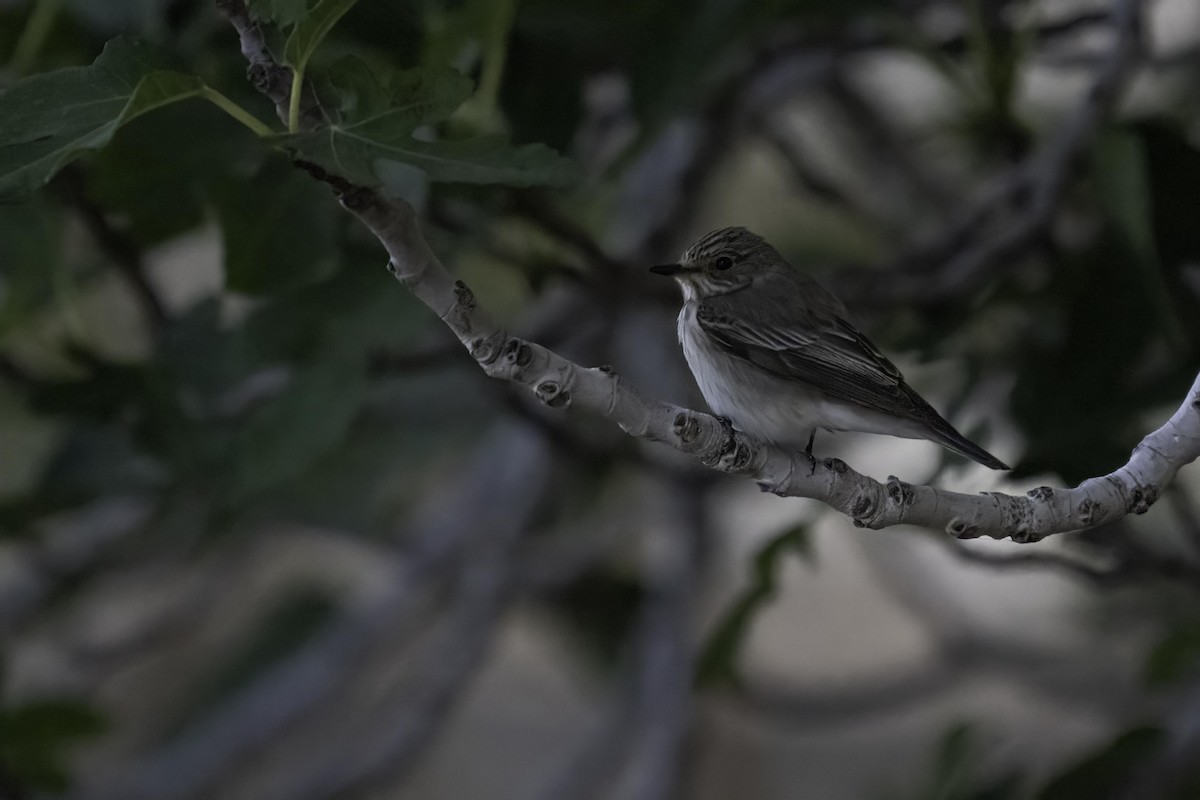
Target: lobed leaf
[48,120]
[311,29]
[35,740]
[1174,659]
[278,228]
[717,662]
[279,12]
[372,140]
[1105,772]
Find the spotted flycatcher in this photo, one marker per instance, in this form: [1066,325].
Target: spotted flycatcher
[774,353]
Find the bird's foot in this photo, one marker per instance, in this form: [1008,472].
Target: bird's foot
[812,460]
[726,423]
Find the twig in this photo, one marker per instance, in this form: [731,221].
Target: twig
[1063,679]
[807,175]
[503,484]
[1189,517]
[1142,567]
[122,250]
[663,689]
[963,257]
[407,724]
[882,140]
[264,73]
[389,362]
[636,752]
[781,66]
[537,208]
[14,373]
[560,383]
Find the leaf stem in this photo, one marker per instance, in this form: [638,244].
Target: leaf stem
[495,54]
[294,100]
[237,112]
[33,35]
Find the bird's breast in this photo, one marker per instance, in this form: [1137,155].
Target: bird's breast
[766,405]
[731,387]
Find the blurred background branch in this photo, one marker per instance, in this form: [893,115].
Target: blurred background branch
[267,532]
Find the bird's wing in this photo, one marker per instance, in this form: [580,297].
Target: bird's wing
[817,346]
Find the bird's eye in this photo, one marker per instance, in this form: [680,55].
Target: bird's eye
[724,262]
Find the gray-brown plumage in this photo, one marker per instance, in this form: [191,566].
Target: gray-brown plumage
[775,352]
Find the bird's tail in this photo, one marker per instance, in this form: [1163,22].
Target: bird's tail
[945,435]
[937,429]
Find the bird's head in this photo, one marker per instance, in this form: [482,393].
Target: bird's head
[721,262]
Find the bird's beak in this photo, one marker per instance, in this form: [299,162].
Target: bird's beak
[667,269]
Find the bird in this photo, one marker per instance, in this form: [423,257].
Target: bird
[776,356]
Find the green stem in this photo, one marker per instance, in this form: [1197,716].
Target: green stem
[63,290]
[33,36]
[494,56]
[294,101]
[237,112]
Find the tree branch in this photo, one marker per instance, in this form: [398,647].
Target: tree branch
[264,73]
[984,239]
[559,383]
[120,248]
[282,697]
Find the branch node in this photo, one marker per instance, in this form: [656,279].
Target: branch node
[1024,535]
[686,427]
[735,455]
[835,465]
[259,75]
[552,394]
[518,353]
[961,529]
[863,507]
[1143,498]
[464,296]
[354,198]
[1041,493]
[1086,509]
[484,351]
[900,492]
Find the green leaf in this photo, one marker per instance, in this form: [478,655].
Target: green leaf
[279,12]
[953,761]
[48,120]
[155,174]
[293,620]
[1102,773]
[311,30]
[718,661]
[1173,167]
[279,230]
[1175,658]
[1097,293]
[1120,175]
[372,142]
[291,431]
[30,248]
[602,607]
[35,736]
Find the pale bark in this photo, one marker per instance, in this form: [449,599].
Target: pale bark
[560,383]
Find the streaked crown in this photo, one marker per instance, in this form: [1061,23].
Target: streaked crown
[737,243]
